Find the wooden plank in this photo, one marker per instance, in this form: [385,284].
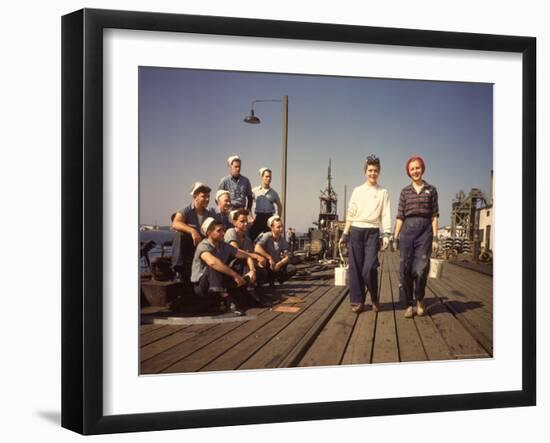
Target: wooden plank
[157,334]
[152,349]
[144,329]
[433,344]
[359,349]
[469,282]
[295,355]
[385,339]
[409,344]
[329,347]
[458,339]
[273,353]
[464,298]
[170,356]
[207,354]
[244,349]
[479,324]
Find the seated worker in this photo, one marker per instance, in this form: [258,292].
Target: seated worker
[211,272]
[256,264]
[186,223]
[273,246]
[266,203]
[223,207]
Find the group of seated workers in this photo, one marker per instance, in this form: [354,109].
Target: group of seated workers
[214,255]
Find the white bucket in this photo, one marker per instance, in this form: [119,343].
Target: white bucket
[341,272]
[436,268]
[341,276]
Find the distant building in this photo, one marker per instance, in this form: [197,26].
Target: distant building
[485,231]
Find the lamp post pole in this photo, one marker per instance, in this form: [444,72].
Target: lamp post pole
[255,120]
[283,166]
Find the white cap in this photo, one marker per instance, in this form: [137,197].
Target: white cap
[198,185]
[262,170]
[220,192]
[206,224]
[233,157]
[232,214]
[272,219]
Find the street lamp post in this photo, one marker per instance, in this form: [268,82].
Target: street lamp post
[252,119]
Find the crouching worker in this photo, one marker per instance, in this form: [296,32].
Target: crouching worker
[211,272]
[273,246]
[255,265]
[186,223]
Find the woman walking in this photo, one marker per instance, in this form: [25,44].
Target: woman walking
[416,231]
[368,213]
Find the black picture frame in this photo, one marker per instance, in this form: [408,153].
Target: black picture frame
[82,218]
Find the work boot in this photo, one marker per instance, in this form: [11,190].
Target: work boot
[420,308]
[259,299]
[409,312]
[232,307]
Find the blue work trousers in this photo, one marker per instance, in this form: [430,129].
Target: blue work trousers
[415,246]
[364,244]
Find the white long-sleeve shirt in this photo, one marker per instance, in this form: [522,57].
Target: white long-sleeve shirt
[369,207]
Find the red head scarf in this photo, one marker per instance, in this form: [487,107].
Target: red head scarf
[412,159]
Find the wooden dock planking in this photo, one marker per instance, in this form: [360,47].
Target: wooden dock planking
[241,352]
[280,346]
[458,324]
[469,287]
[146,328]
[359,349]
[360,345]
[469,313]
[207,354]
[328,348]
[163,344]
[385,340]
[409,343]
[458,338]
[159,333]
[169,357]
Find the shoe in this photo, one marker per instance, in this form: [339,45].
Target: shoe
[232,307]
[259,299]
[409,312]
[357,308]
[420,308]
[376,307]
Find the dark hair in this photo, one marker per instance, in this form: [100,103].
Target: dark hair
[238,212]
[213,225]
[202,190]
[372,160]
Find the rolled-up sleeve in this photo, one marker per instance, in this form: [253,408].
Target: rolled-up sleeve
[401,207]
[435,203]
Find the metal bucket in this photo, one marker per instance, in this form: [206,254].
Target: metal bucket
[341,276]
[436,268]
[341,272]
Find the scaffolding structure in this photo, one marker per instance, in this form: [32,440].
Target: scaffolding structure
[464,213]
[328,203]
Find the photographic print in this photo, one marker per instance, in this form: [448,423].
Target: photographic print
[306,220]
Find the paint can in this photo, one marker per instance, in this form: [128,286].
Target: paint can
[436,268]
[341,272]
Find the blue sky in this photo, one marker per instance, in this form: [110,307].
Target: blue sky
[190,121]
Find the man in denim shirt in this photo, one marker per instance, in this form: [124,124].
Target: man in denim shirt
[238,185]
